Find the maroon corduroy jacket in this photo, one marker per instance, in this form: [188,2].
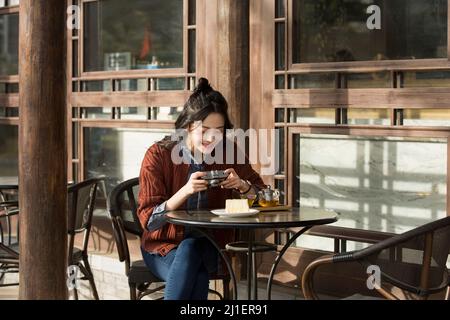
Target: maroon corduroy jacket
[160,179]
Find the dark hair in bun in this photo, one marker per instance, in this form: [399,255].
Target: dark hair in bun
[203,101]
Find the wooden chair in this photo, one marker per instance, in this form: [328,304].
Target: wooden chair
[81,199]
[122,208]
[414,262]
[9,245]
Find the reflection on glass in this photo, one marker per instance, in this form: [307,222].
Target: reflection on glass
[336,30]
[279,9]
[426,117]
[368,116]
[279,82]
[279,115]
[280,62]
[117,153]
[192,8]
[280,138]
[9,44]
[9,150]
[75,57]
[166,113]
[12,87]
[426,79]
[279,184]
[134,113]
[170,84]
[312,115]
[368,80]
[132,85]
[312,81]
[97,85]
[375,183]
[192,51]
[133,34]
[97,113]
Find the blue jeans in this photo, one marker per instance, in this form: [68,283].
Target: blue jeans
[185,269]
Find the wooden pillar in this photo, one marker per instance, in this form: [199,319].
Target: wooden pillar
[42,149]
[233,59]
[223,52]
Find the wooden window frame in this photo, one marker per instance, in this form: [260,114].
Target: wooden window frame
[95,75]
[361,66]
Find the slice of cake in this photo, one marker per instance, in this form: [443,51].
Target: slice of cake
[236,206]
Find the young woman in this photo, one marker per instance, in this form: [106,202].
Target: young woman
[176,254]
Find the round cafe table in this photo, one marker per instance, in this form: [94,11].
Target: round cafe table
[303,217]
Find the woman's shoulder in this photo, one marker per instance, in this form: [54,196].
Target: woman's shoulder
[161,149]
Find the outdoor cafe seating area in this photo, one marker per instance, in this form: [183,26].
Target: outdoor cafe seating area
[414,263]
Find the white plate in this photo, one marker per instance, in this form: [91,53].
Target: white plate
[224,214]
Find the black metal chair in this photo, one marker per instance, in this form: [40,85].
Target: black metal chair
[414,262]
[81,199]
[9,245]
[122,208]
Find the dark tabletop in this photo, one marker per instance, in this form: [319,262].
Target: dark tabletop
[296,217]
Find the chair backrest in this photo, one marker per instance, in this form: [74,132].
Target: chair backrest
[122,209]
[81,203]
[416,260]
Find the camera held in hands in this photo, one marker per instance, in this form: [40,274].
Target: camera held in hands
[215,177]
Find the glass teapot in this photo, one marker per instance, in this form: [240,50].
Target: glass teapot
[269,197]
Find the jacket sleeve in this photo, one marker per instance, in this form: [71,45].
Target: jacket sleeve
[153,190]
[246,172]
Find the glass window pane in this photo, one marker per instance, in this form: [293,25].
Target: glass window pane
[192,15]
[132,85]
[9,151]
[97,113]
[144,35]
[375,183]
[312,115]
[75,58]
[369,80]
[426,79]
[12,88]
[280,62]
[279,9]
[9,44]
[192,51]
[279,115]
[170,84]
[134,113]
[166,113]
[117,153]
[426,117]
[336,30]
[279,184]
[280,149]
[12,112]
[96,85]
[312,81]
[279,82]
[368,116]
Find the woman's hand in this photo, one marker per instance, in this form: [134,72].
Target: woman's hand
[195,184]
[234,182]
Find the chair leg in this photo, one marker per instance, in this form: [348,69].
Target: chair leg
[226,288]
[91,278]
[255,277]
[133,293]
[75,293]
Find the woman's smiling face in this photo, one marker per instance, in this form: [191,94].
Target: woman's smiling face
[205,135]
